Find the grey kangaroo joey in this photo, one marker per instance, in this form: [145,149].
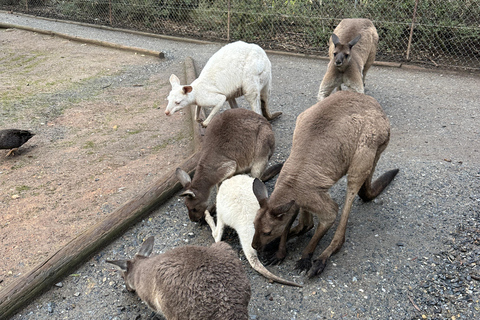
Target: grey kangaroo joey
[189,282]
[345,134]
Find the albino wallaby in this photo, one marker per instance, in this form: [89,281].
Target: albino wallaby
[236,208]
[344,134]
[189,282]
[353,46]
[236,141]
[235,70]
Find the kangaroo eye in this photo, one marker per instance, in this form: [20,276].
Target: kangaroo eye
[177,102]
[334,54]
[346,56]
[267,233]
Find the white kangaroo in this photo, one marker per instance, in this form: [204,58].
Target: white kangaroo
[236,208]
[237,69]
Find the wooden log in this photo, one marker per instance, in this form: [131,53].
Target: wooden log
[42,277]
[198,130]
[158,54]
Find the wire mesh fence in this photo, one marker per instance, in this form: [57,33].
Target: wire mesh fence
[443,33]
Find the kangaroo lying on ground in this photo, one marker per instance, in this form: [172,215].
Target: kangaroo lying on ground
[236,141]
[189,282]
[235,70]
[236,208]
[353,46]
[344,134]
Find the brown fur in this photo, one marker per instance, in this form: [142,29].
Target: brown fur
[189,282]
[350,57]
[236,141]
[344,134]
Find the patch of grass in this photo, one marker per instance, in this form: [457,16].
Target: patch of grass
[22,188]
[89,145]
[134,131]
[169,141]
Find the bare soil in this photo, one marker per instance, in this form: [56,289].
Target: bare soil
[101,138]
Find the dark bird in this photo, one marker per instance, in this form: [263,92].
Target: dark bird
[13,139]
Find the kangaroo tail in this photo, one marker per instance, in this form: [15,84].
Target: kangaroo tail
[260,268]
[370,191]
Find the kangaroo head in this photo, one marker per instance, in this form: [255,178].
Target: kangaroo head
[179,97]
[195,200]
[127,266]
[270,221]
[342,52]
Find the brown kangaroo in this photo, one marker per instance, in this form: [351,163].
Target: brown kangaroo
[352,51]
[189,282]
[236,141]
[344,134]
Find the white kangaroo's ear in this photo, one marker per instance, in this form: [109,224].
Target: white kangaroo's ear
[187,89]
[183,177]
[147,247]
[174,80]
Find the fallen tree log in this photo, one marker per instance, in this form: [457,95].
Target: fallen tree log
[19,293]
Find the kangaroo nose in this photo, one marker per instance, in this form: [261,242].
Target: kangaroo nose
[167,112]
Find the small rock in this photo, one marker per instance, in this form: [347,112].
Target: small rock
[59,285]
[76,294]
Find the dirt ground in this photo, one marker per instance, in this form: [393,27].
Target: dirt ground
[101,137]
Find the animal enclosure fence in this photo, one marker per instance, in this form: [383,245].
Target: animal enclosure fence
[443,33]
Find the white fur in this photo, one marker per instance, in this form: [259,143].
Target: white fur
[237,69]
[236,208]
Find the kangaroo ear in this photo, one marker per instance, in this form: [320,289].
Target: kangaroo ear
[147,247]
[122,264]
[280,210]
[187,89]
[335,39]
[174,80]
[260,192]
[188,193]
[354,41]
[183,177]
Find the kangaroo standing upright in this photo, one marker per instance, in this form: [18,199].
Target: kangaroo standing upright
[344,134]
[352,51]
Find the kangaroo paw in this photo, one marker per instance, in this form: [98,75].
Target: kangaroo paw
[317,268]
[303,264]
[273,116]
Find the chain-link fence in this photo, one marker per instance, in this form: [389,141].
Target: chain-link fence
[442,33]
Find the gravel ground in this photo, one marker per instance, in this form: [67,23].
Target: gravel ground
[413,253]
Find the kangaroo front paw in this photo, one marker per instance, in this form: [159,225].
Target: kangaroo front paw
[303,264]
[274,115]
[317,268]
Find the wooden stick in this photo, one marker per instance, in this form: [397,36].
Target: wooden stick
[158,54]
[42,277]
[411,29]
[198,130]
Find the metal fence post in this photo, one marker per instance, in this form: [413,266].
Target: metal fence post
[411,29]
[228,20]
